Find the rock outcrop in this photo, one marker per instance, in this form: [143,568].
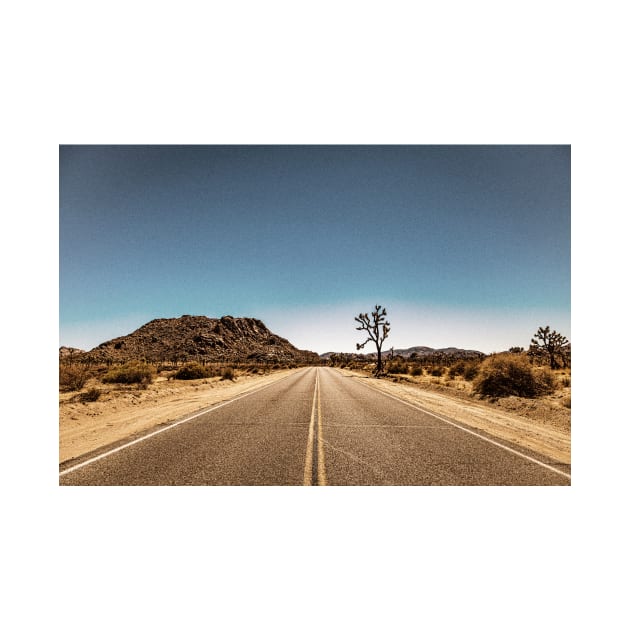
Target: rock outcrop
[66,352]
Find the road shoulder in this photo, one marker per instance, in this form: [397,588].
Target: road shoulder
[127,412]
[549,441]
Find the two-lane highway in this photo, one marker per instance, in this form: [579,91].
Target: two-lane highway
[315,427]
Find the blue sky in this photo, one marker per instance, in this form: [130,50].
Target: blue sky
[465,245]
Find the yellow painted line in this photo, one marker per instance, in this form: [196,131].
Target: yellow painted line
[321,464]
[308,463]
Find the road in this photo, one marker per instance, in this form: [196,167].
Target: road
[315,427]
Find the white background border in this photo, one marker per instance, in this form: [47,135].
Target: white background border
[344,72]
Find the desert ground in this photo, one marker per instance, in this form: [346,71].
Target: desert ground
[542,425]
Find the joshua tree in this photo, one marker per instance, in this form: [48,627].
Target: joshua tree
[550,344]
[377,328]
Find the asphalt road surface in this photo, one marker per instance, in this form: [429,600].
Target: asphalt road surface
[315,427]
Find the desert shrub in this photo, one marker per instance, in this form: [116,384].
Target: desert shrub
[457,369]
[470,371]
[565,381]
[132,372]
[546,381]
[512,375]
[227,374]
[436,370]
[566,402]
[396,367]
[467,369]
[192,371]
[73,377]
[416,370]
[90,395]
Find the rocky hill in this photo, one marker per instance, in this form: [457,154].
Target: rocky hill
[200,338]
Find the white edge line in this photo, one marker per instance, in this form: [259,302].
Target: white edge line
[481,437]
[170,426]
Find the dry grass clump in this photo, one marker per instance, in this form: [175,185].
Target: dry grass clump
[512,375]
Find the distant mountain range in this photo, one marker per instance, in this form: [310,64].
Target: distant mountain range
[198,338]
[416,352]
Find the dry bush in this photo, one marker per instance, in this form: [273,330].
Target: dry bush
[73,377]
[546,381]
[132,372]
[192,371]
[396,367]
[227,374]
[512,375]
[416,370]
[467,369]
[471,371]
[457,369]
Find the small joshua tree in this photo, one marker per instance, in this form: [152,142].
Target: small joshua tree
[377,328]
[549,344]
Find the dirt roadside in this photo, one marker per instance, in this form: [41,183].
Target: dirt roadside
[123,411]
[530,424]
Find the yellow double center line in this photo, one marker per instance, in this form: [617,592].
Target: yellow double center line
[308,464]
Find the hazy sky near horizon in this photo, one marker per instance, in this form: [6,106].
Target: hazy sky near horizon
[466,246]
